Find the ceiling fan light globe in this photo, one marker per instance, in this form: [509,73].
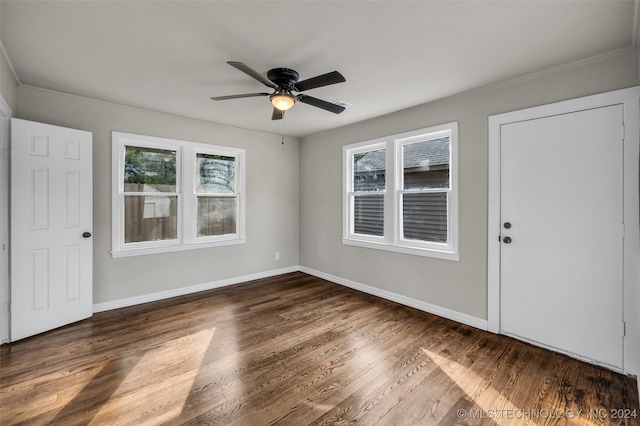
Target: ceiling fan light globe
[282,101]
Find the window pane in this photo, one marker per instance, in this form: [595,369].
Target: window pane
[150,218]
[216,216]
[426,164]
[424,217]
[149,170]
[215,174]
[369,170]
[368,214]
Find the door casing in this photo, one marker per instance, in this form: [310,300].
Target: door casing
[5,120]
[630,99]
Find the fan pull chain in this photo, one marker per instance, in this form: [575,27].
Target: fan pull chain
[282,133]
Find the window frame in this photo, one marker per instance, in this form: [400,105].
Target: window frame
[393,240]
[178,192]
[186,192]
[351,193]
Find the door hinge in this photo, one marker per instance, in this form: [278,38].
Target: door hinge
[624,329]
[622,230]
[622,132]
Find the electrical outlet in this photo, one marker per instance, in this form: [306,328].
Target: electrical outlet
[277,255]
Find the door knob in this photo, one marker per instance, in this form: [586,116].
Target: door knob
[86,234]
[506,240]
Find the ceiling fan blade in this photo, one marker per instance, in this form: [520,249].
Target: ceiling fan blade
[246,95]
[277,114]
[252,73]
[328,106]
[319,81]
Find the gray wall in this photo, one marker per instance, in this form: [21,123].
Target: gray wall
[292,211]
[459,286]
[272,196]
[8,85]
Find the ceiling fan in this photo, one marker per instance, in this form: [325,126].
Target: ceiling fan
[284,81]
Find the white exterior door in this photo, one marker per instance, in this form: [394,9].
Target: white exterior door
[51,225]
[561,265]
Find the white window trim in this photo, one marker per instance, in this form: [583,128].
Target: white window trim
[358,148]
[187,238]
[392,240]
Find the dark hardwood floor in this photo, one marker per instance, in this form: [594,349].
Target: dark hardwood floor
[296,350]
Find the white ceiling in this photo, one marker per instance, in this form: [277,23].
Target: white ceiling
[170,56]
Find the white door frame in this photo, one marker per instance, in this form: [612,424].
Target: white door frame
[630,98]
[5,119]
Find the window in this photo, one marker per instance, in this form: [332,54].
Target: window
[400,193]
[369,188]
[216,194]
[150,194]
[171,195]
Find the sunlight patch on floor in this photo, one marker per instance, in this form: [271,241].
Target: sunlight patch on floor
[59,398]
[140,396]
[487,401]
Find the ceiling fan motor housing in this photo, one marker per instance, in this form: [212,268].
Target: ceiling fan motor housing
[284,78]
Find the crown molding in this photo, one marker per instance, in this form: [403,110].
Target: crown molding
[531,76]
[280,138]
[7,63]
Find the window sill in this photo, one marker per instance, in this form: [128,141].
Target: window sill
[141,251]
[437,254]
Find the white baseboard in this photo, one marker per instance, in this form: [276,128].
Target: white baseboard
[404,300]
[152,297]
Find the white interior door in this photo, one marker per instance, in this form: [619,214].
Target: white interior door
[51,225]
[562,232]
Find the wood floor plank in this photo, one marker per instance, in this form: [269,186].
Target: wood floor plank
[296,350]
[332,377]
